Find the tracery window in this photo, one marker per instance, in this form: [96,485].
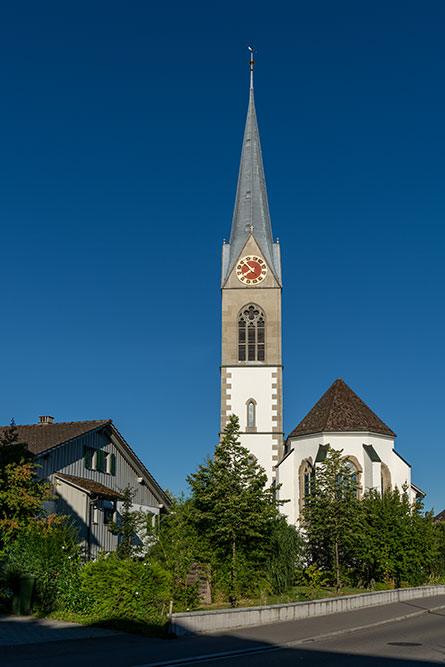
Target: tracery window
[306,479]
[251,334]
[354,476]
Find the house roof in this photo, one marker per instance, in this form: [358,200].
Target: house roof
[340,409]
[439,517]
[89,486]
[42,437]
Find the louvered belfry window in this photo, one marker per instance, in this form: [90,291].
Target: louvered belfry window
[251,334]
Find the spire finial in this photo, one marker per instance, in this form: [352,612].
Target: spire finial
[251,63]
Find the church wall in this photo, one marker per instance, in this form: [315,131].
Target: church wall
[372,474]
[263,385]
[288,473]
[400,473]
[306,448]
[287,477]
[260,446]
[254,382]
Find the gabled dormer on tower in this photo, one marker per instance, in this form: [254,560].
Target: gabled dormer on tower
[251,367]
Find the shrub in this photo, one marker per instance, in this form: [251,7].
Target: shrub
[51,553]
[126,589]
[287,552]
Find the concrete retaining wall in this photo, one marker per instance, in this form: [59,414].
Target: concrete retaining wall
[226,619]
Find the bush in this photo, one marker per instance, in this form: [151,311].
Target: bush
[51,553]
[287,548]
[130,590]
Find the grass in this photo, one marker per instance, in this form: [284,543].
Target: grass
[159,629]
[296,594]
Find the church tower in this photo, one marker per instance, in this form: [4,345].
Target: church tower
[251,368]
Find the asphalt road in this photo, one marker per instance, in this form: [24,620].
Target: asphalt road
[418,640]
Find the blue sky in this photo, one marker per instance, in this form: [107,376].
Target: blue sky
[120,134]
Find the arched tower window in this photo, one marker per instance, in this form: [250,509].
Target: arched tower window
[251,334]
[251,414]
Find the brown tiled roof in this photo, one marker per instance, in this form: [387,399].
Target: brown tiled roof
[340,409]
[41,437]
[439,517]
[90,486]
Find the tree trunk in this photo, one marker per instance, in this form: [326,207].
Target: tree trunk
[337,566]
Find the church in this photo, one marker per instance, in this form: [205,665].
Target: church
[251,361]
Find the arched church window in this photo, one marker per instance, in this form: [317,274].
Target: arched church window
[355,473]
[306,478]
[309,475]
[251,334]
[385,478]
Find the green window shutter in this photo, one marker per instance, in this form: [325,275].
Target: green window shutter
[88,458]
[100,460]
[112,464]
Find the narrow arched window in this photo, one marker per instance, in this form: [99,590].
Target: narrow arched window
[385,478]
[251,414]
[251,334]
[306,479]
[354,476]
[309,475]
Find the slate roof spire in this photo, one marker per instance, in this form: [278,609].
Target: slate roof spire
[251,212]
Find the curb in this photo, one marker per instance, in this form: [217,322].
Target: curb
[277,647]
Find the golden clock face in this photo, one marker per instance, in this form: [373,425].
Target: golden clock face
[251,270]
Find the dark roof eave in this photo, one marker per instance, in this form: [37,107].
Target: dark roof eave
[401,458]
[293,436]
[417,490]
[82,485]
[284,457]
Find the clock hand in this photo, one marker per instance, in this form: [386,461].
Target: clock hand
[250,270]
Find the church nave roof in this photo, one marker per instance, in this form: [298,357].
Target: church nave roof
[340,409]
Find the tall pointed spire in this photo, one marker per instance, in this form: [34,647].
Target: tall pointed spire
[251,212]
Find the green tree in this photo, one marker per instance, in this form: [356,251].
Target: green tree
[438,567]
[332,515]
[232,508]
[21,493]
[400,546]
[177,548]
[51,552]
[131,523]
[287,551]
[12,450]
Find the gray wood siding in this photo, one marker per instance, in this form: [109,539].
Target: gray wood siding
[69,459]
[76,504]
